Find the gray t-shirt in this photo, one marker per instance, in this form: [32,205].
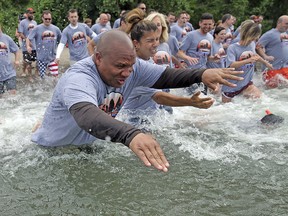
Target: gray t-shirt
[198,46]
[98,28]
[276,45]
[163,56]
[179,32]
[25,27]
[116,23]
[82,83]
[217,48]
[173,44]
[77,41]
[46,38]
[7,46]
[236,52]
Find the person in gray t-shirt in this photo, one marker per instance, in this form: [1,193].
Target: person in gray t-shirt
[7,70]
[46,37]
[273,47]
[275,44]
[102,25]
[196,47]
[92,91]
[25,27]
[75,34]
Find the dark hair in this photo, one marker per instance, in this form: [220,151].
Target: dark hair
[141,27]
[217,30]
[172,14]
[206,16]
[179,14]
[46,12]
[226,17]
[72,11]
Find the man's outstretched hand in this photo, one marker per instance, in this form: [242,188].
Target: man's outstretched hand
[212,76]
[149,151]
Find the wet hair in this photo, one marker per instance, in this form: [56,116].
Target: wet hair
[164,35]
[217,30]
[226,17]
[249,31]
[206,16]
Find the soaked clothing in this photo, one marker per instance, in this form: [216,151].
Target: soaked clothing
[98,28]
[7,46]
[236,52]
[173,45]
[46,39]
[217,48]
[233,94]
[25,27]
[197,45]
[69,120]
[178,32]
[276,45]
[77,40]
[9,83]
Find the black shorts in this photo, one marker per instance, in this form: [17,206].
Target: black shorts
[29,58]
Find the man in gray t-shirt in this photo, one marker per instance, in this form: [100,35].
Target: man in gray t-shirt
[92,91]
[196,47]
[273,45]
[46,37]
[75,35]
[7,70]
[102,26]
[25,27]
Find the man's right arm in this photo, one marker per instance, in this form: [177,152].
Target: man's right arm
[97,123]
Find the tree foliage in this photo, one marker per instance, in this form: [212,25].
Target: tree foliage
[241,9]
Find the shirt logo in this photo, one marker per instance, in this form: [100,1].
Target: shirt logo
[112,103]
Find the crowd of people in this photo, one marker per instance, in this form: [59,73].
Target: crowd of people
[132,65]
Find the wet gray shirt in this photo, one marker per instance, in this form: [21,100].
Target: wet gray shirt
[7,46]
[46,38]
[25,27]
[276,45]
[197,45]
[82,83]
[77,41]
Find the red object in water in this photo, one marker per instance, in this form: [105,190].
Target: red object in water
[268,112]
[273,78]
[271,119]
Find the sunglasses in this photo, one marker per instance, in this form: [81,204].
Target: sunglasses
[143,8]
[47,18]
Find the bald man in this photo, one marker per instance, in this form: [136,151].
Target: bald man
[273,47]
[92,91]
[102,26]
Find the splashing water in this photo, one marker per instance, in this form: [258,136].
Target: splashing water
[223,162]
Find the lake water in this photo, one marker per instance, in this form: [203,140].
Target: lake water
[223,162]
